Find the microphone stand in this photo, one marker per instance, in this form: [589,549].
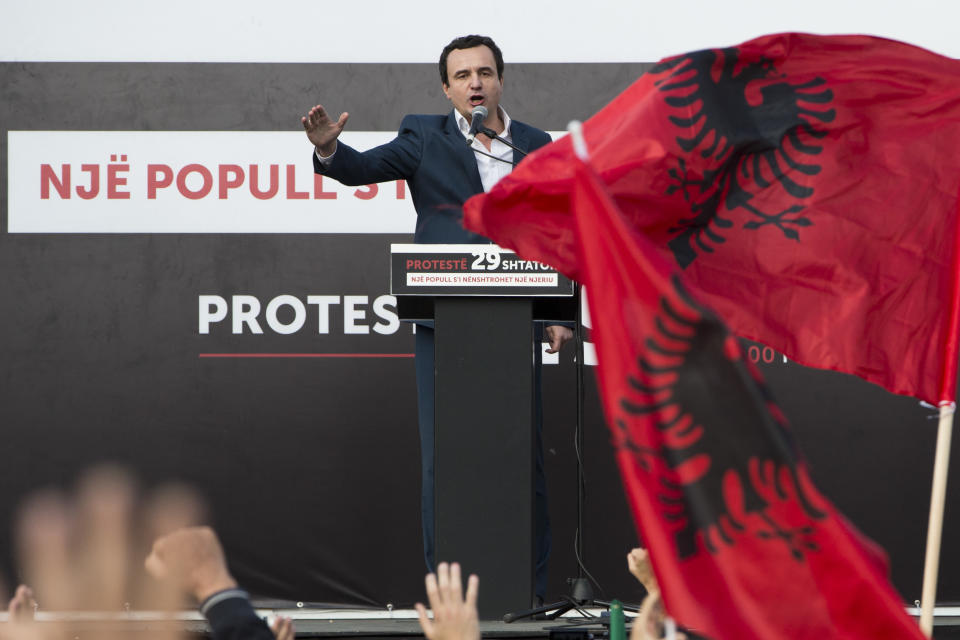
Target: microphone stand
[490,133]
[581,592]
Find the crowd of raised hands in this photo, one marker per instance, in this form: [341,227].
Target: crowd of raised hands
[85,553]
[455,612]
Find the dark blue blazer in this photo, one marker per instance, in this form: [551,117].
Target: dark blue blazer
[431,154]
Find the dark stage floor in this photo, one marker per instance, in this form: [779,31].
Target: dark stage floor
[371,623]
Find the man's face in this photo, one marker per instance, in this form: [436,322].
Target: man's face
[472,80]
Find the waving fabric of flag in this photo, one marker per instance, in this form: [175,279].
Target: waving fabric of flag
[743,545]
[806,186]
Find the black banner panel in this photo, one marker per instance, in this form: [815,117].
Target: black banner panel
[181,295]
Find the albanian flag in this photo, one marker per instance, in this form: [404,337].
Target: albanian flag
[807,186]
[742,543]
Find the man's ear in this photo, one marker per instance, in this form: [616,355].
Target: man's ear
[446,90]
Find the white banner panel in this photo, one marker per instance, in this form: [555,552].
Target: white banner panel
[558,31]
[191,182]
[481,280]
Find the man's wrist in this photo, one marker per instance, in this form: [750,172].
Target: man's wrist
[327,150]
[208,588]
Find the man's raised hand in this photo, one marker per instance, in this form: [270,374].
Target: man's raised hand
[21,606]
[192,559]
[323,131]
[638,562]
[454,615]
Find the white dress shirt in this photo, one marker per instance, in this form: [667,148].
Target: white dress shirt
[491,170]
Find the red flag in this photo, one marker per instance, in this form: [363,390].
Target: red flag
[742,543]
[806,185]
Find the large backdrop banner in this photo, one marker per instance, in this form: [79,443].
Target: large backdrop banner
[182,295]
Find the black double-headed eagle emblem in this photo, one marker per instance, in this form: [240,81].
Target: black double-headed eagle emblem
[744,130]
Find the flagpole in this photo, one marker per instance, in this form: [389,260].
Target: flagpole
[948,391]
[575,127]
[938,495]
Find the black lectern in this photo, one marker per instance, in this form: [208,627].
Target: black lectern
[483,300]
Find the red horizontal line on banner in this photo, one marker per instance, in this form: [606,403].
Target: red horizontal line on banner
[305,355]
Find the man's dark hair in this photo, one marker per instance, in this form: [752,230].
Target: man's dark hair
[469,42]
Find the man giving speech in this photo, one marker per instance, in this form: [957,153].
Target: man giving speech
[431,152]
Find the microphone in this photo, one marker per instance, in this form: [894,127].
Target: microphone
[477,117]
[476,122]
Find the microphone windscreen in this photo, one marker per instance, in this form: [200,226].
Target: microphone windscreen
[480,112]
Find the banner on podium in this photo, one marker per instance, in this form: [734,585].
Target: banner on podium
[471,270]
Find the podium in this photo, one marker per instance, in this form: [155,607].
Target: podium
[483,300]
